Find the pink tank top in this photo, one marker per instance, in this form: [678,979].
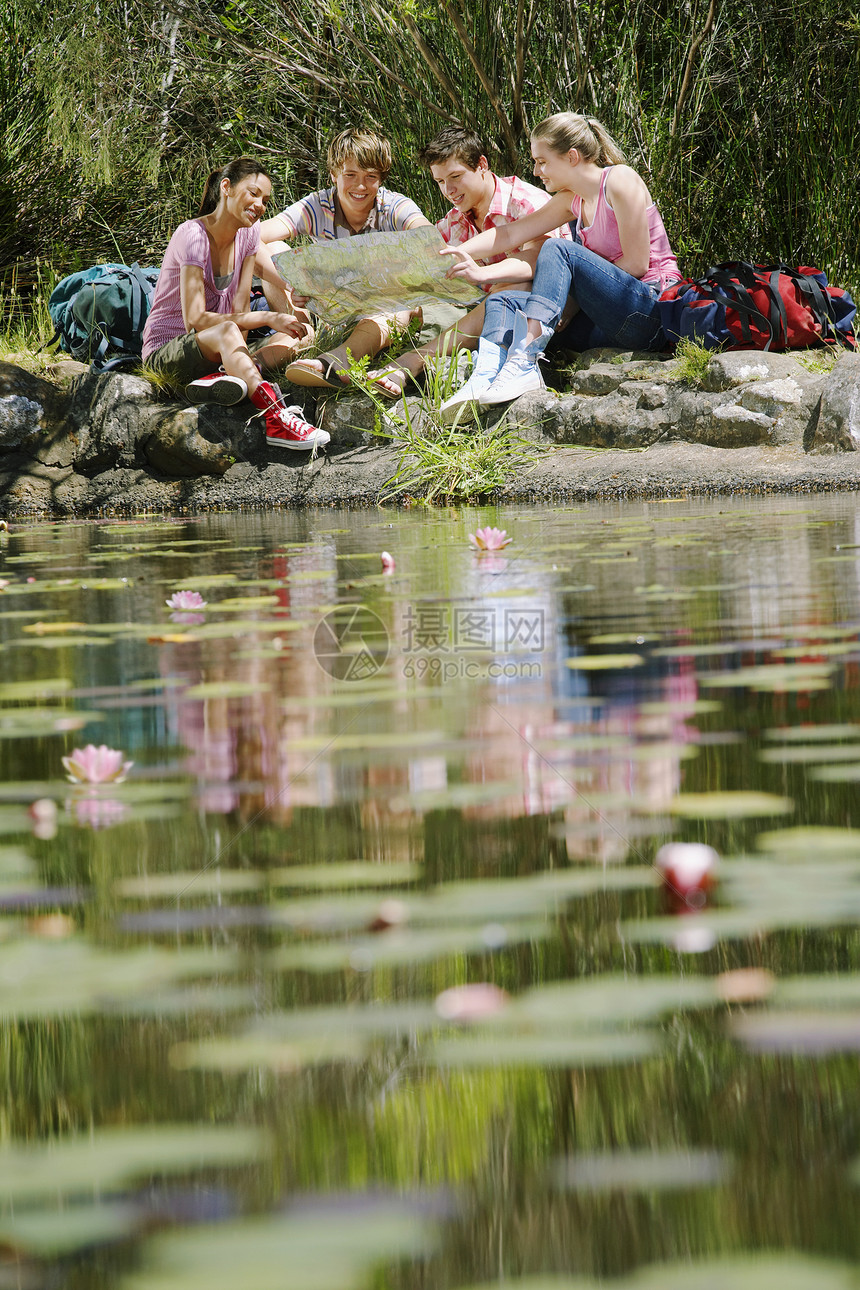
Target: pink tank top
[190,245]
[602,238]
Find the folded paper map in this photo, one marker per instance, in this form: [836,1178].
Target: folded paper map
[373,273]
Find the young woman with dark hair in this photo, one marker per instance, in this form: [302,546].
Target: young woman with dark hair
[197,329]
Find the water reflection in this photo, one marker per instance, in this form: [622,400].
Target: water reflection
[272,926]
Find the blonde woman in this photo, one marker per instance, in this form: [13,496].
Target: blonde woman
[610,276]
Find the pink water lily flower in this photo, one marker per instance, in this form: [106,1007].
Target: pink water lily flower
[92,765]
[387,559]
[189,620]
[489,539]
[186,600]
[470,1002]
[97,812]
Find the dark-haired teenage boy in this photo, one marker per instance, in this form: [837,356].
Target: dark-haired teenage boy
[480,200]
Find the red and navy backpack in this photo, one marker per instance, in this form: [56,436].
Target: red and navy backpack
[758,306]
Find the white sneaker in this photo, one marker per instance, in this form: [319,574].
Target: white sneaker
[457,407]
[489,361]
[287,428]
[220,388]
[520,375]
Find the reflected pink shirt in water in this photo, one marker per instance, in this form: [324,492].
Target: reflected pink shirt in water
[601,237]
[190,245]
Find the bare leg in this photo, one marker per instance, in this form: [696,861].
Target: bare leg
[280,349]
[227,344]
[464,334]
[373,334]
[368,337]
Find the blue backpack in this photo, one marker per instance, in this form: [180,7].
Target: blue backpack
[99,313]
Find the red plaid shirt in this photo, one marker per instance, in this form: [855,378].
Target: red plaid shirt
[512,199]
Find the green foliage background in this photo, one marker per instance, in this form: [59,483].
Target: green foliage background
[743,114]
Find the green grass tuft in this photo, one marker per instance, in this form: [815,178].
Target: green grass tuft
[157,379]
[692,359]
[459,465]
[442,463]
[25,324]
[819,361]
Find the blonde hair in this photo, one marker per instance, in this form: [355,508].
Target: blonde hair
[592,141]
[369,151]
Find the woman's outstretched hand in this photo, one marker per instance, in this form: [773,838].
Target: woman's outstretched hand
[288,324]
[464,267]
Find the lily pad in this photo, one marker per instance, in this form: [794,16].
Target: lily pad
[805,754]
[225,690]
[752,1271]
[848,773]
[268,1052]
[332,1248]
[59,642]
[805,734]
[240,604]
[39,978]
[568,1051]
[603,662]
[49,1233]
[22,723]
[810,840]
[347,873]
[679,707]
[108,1159]
[199,882]
[772,676]
[795,1032]
[401,947]
[643,1171]
[728,805]
[205,580]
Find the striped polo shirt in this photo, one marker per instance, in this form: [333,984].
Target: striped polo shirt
[318,215]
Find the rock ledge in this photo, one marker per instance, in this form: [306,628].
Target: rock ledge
[85,443]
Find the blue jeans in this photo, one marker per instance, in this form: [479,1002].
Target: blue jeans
[500,309]
[614,307]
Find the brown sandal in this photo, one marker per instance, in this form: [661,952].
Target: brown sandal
[331,376]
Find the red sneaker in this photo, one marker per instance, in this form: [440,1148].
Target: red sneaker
[287,428]
[220,388]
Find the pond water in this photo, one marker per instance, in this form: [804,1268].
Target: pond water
[237,1047]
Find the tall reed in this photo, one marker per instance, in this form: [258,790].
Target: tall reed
[743,115]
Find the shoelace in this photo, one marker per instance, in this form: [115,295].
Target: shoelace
[302,431]
[291,418]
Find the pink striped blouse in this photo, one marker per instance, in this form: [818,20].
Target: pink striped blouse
[190,245]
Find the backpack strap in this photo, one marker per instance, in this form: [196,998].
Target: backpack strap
[820,303]
[139,295]
[752,277]
[147,284]
[141,291]
[721,284]
[46,344]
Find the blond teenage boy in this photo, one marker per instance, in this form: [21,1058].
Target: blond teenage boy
[359,163]
[480,200]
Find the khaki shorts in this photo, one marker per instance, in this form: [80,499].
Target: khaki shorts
[181,359]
